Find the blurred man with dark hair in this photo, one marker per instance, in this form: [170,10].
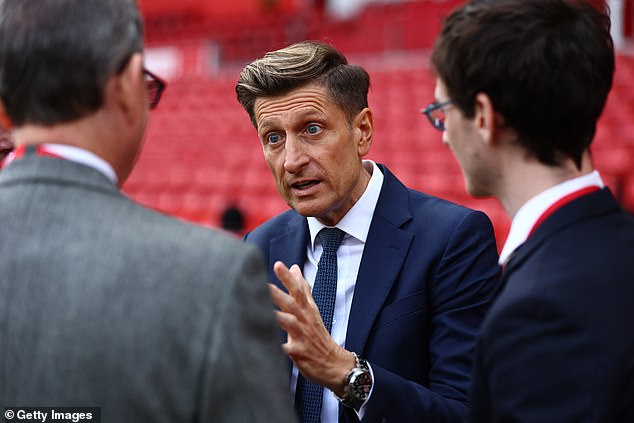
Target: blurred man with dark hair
[396,282]
[104,303]
[520,87]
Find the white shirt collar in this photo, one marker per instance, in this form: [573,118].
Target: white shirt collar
[85,157]
[358,219]
[530,212]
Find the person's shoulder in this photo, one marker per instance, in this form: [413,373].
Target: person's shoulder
[437,203]
[423,204]
[429,208]
[576,253]
[289,220]
[584,263]
[154,230]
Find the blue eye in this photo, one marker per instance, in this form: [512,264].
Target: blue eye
[313,129]
[273,138]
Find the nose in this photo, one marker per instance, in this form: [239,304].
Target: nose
[295,154]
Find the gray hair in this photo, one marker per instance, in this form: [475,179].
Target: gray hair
[56,55]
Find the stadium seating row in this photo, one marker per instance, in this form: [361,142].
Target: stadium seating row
[202,153]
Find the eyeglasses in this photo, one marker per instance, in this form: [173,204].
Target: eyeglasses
[436,114]
[155,87]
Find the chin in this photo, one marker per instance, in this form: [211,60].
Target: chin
[308,208]
[304,210]
[477,191]
[473,188]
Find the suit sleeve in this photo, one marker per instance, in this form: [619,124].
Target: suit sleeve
[464,286]
[245,378]
[539,366]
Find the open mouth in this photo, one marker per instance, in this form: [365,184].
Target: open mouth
[304,185]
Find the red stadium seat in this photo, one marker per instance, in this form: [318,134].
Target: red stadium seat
[202,153]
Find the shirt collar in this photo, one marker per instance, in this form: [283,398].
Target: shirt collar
[85,157]
[358,219]
[530,212]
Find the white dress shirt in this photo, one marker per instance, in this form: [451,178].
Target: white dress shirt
[356,225]
[85,157]
[531,211]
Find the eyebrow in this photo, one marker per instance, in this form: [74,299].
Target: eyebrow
[312,114]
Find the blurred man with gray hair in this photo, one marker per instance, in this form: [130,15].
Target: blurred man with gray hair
[104,303]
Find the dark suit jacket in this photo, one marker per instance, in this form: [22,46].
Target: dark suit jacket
[427,277]
[558,345]
[104,303]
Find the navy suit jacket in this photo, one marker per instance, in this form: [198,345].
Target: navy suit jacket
[558,344]
[427,277]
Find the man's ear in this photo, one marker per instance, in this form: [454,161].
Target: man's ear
[126,90]
[364,124]
[487,122]
[5,120]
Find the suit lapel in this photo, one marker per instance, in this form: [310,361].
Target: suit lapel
[383,256]
[290,246]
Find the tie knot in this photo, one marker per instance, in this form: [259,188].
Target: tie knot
[330,239]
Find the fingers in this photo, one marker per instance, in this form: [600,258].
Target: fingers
[284,301]
[297,328]
[309,345]
[289,323]
[298,310]
[292,278]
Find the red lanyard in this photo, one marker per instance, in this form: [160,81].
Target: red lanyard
[21,150]
[562,202]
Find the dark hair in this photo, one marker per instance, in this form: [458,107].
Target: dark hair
[232,219]
[547,66]
[282,71]
[56,55]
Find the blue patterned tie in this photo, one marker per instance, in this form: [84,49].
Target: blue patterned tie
[308,395]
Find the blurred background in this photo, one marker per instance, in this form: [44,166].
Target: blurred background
[202,156]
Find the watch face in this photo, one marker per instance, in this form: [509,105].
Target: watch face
[360,384]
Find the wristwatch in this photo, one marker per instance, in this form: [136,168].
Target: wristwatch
[357,384]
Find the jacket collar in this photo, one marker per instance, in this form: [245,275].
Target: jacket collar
[583,208]
[52,170]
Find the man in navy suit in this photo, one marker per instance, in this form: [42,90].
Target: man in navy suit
[415,274]
[520,87]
